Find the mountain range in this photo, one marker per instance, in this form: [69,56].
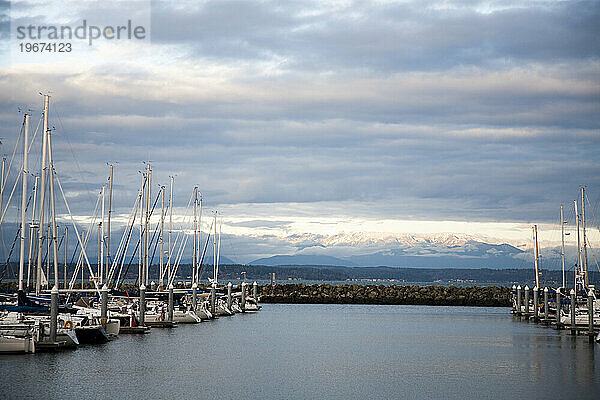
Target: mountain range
[427,251]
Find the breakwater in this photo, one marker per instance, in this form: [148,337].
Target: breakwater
[490,296]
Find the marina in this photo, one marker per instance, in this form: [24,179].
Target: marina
[48,313]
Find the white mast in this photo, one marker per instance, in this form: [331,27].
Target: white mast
[66,253]
[578,266]
[140,257]
[170,225]
[42,196]
[562,253]
[146,236]
[162,230]
[215,249]
[32,229]
[537,258]
[2,182]
[218,251]
[195,256]
[101,242]
[110,185]
[23,200]
[53,213]
[585,261]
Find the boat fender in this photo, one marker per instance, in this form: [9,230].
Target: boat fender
[68,325]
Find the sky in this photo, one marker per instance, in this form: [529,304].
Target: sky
[299,118]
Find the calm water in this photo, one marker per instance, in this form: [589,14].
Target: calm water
[323,351]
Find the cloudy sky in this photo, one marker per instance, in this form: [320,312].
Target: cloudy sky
[321,118]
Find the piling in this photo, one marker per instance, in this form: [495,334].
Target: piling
[53,313]
[213,295]
[519,300]
[558,309]
[143,305]
[514,298]
[536,304]
[255,292]
[229,285]
[573,310]
[590,304]
[272,279]
[243,298]
[546,308]
[104,304]
[526,302]
[171,302]
[194,296]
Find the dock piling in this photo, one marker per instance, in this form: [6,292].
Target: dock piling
[255,291]
[170,309]
[243,298]
[590,304]
[104,304]
[194,296]
[558,309]
[142,305]
[519,300]
[53,313]
[546,308]
[213,294]
[514,298]
[526,302]
[573,310]
[229,295]
[536,304]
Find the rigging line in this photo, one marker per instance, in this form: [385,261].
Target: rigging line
[186,217]
[143,233]
[88,235]
[201,271]
[77,234]
[66,136]
[10,254]
[122,248]
[10,197]
[12,158]
[85,241]
[30,144]
[117,278]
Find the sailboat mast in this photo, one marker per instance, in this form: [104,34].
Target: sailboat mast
[24,200]
[2,183]
[578,265]
[170,225]
[562,252]
[195,255]
[66,253]
[141,202]
[146,236]
[585,261]
[215,249]
[42,196]
[101,242]
[218,251]
[32,229]
[110,186]
[537,258]
[53,213]
[162,231]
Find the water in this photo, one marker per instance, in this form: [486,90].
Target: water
[323,351]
